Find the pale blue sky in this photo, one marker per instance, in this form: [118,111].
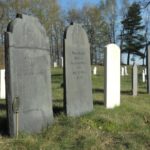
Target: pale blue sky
[66,4]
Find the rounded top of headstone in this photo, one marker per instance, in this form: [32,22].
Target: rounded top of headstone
[112,45]
[27,32]
[75,34]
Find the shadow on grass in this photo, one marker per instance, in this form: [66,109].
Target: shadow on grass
[142,92]
[130,92]
[57,78]
[96,102]
[2,106]
[58,107]
[3,118]
[98,90]
[127,92]
[57,75]
[3,126]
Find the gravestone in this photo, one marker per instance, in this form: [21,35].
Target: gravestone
[148,70]
[28,83]
[143,75]
[95,70]
[145,70]
[125,70]
[55,64]
[112,76]
[77,72]
[122,71]
[134,80]
[62,61]
[2,84]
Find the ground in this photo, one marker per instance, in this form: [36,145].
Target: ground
[125,127]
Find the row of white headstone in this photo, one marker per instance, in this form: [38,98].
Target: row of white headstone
[124,71]
[2,78]
[2,84]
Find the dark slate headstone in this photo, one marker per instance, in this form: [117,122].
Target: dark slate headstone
[134,80]
[77,72]
[28,83]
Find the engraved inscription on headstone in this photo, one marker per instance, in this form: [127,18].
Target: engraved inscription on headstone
[78,85]
[28,83]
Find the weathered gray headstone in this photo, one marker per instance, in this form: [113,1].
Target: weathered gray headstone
[125,70]
[28,84]
[148,69]
[135,80]
[77,70]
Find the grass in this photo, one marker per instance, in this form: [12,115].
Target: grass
[125,127]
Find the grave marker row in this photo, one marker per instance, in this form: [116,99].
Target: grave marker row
[28,83]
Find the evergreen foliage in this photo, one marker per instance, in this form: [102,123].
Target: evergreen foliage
[133,37]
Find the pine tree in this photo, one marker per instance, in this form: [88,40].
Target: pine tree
[133,37]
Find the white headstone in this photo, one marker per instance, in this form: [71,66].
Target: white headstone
[122,71]
[55,64]
[62,62]
[112,76]
[125,70]
[2,84]
[143,76]
[145,70]
[95,70]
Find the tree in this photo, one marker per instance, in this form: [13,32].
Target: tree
[97,30]
[145,3]
[96,27]
[123,12]
[48,12]
[74,15]
[109,12]
[133,36]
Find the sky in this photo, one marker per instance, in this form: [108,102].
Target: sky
[66,4]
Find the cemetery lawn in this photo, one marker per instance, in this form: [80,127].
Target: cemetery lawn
[125,127]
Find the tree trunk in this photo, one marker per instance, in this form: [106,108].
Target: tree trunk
[91,56]
[143,61]
[128,59]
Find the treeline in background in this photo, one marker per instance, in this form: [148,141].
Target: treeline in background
[122,22]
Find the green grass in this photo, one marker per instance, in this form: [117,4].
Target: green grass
[125,127]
